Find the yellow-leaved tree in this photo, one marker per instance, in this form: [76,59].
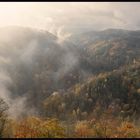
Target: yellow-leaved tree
[33,127]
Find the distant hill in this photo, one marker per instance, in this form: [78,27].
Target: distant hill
[109,49]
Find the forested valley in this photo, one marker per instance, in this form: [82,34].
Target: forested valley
[87,86]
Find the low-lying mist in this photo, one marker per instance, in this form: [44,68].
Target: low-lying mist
[33,64]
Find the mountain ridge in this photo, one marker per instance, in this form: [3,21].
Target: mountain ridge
[45,66]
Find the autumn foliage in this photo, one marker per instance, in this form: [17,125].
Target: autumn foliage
[34,127]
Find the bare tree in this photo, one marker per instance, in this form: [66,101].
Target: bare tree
[3,115]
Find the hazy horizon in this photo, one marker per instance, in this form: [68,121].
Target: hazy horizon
[70,17]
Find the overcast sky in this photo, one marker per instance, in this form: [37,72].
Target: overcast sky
[70,17]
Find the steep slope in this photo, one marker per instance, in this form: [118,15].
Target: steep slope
[117,92]
[34,64]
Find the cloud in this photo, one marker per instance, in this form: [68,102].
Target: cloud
[96,16]
[71,16]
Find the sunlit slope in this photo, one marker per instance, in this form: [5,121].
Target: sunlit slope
[117,93]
